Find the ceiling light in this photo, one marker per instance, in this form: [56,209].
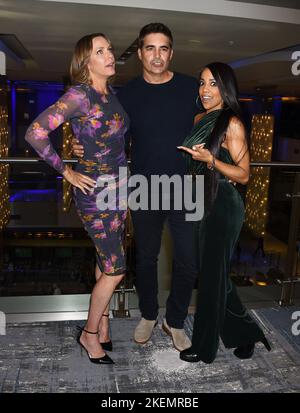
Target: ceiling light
[127,53]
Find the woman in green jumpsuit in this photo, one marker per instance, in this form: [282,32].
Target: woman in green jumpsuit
[217,147]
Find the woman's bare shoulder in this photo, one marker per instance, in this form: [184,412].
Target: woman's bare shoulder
[235,124]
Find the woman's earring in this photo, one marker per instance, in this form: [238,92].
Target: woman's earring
[198,103]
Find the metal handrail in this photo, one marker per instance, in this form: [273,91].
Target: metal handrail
[35,160]
[31,160]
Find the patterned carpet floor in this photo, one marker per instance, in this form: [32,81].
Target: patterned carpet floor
[45,358]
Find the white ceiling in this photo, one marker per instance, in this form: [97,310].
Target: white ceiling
[204,31]
[293,4]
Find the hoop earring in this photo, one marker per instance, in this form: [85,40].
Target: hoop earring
[198,103]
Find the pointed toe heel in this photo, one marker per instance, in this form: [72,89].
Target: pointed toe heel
[101,360]
[96,360]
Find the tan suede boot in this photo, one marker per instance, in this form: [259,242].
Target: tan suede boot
[143,331]
[179,338]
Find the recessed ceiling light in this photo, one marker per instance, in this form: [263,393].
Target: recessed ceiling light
[127,53]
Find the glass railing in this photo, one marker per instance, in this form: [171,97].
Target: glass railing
[46,251]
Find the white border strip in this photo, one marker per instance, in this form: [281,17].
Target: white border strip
[213,7]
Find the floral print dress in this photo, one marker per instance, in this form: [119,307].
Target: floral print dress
[99,123]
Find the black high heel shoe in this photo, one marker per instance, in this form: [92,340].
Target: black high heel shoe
[246,351]
[107,346]
[189,355]
[97,360]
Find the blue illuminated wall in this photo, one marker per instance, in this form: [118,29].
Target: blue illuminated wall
[28,100]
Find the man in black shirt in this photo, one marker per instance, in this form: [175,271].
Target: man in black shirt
[161,106]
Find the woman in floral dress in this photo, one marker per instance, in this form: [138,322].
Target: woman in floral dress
[99,123]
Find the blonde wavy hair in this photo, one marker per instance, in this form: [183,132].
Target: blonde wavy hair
[79,72]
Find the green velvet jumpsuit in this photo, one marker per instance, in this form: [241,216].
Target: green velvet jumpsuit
[219,311]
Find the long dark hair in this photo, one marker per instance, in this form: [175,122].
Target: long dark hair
[227,84]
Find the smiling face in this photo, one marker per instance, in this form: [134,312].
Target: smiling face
[209,92]
[155,54]
[101,63]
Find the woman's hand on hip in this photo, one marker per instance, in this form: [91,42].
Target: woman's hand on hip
[77,149]
[83,182]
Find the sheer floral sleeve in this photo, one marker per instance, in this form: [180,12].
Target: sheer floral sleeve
[73,103]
